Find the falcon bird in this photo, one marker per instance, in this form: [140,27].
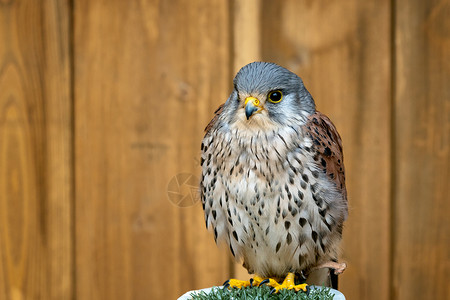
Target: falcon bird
[272,184]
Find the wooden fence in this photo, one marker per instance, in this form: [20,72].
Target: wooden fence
[102,108]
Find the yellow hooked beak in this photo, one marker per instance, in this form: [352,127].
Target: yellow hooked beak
[252,105]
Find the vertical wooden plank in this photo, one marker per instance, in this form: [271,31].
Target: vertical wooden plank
[59,169]
[246,49]
[148,77]
[246,33]
[35,151]
[422,150]
[59,146]
[342,52]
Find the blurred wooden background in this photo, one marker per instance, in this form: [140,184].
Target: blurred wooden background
[102,108]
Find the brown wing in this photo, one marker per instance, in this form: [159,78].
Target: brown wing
[214,119]
[328,145]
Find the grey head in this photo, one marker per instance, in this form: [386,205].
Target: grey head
[267,93]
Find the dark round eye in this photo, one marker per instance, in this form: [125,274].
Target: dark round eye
[275,96]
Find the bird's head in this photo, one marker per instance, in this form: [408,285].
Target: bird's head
[265,93]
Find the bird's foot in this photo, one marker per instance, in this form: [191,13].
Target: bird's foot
[288,283]
[255,281]
[236,283]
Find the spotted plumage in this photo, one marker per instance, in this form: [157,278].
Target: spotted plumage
[273,186]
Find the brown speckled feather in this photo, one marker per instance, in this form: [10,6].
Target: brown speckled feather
[327,142]
[214,119]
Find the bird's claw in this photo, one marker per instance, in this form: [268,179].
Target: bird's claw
[299,287]
[308,289]
[288,283]
[255,281]
[226,284]
[236,283]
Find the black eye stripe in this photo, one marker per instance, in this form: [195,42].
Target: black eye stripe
[238,96]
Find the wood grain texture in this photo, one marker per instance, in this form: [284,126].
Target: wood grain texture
[342,52]
[421,262]
[246,33]
[148,77]
[35,151]
[246,49]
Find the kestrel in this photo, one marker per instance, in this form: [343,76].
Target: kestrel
[272,184]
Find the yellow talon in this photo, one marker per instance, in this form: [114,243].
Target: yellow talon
[236,283]
[288,283]
[255,281]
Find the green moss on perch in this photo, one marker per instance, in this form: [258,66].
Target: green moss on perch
[262,293]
